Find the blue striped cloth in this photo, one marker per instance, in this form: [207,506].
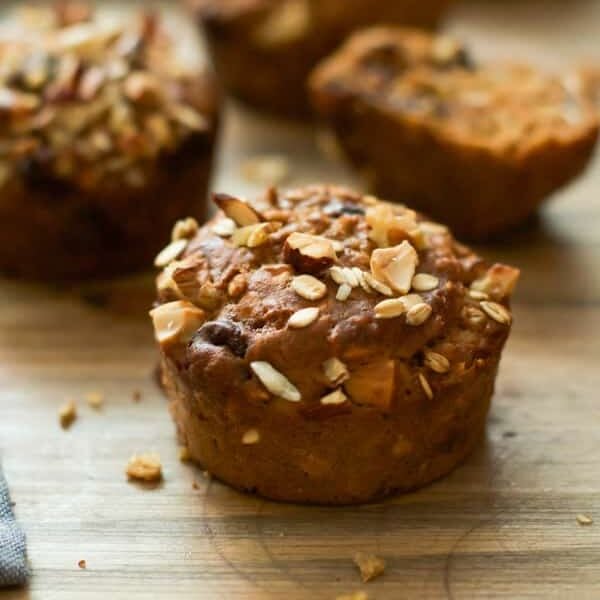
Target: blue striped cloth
[13,559]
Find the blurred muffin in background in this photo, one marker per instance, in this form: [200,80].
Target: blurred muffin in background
[264,49]
[106,137]
[479,147]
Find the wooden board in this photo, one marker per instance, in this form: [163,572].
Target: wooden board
[502,526]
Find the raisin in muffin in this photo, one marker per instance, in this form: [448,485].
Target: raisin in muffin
[106,139]
[478,147]
[326,347]
[265,49]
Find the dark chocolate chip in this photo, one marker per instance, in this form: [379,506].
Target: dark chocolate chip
[223,333]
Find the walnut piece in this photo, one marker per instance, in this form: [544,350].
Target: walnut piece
[308,253]
[176,321]
[395,266]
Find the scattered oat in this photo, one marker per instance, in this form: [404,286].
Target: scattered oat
[335,397]
[184,454]
[343,292]
[477,295]
[437,362]
[338,275]
[496,311]
[170,253]
[370,566]
[418,314]
[335,371]
[303,317]
[584,519]
[67,414]
[424,282]
[425,385]
[144,467]
[309,287]
[389,309]
[266,170]
[252,436]
[224,227]
[275,382]
[95,399]
[82,564]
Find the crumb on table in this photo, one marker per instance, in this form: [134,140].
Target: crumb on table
[144,467]
[370,566]
[67,414]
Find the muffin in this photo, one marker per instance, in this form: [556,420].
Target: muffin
[264,49]
[479,147]
[320,346]
[107,138]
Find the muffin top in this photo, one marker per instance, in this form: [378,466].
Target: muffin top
[91,100]
[324,297]
[433,81]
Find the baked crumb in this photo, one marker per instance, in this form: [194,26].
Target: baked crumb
[584,519]
[67,414]
[82,564]
[370,566]
[95,399]
[136,396]
[144,467]
[184,454]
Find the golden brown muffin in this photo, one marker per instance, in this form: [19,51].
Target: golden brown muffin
[106,138]
[326,347]
[264,49]
[477,147]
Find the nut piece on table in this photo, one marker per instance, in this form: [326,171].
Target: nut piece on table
[241,212]
[176,321]
[308,253]
[144,467]
[370,566]
[395,266]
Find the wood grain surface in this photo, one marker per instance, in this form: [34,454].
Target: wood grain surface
[501,526]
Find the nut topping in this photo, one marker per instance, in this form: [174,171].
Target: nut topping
[176,321]
[241,212]
[170,253]
[373,283]
[309,287]
[335,397]
[184,229]
[335,371]
[224,227]
[395,266]
[303,317]
[498,283]
[275,382]
[308,253]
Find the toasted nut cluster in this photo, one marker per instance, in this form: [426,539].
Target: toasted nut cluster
[89,101]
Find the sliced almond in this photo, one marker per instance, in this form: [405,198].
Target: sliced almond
[184,229]
[423,282]
[275,382]
[335,397]
[418,314]
[309,287]
[252,436]
[251,236]
[343,292]
[335,371]
[496,311]
[241,212]
[308,253]
[303,317]
[389,309]
[224,227]
[438,363]
[425,386]
[499,282]
[395,266]
[170,253]
[176,321]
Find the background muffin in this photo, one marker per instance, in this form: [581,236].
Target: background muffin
[264,49]
[326,347]
[107,137]
[478,147]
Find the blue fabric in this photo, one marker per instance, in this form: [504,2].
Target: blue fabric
[13,559]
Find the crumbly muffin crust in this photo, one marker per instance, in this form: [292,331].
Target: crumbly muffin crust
[482,145]
[265,49]
[323,346]
[94,113]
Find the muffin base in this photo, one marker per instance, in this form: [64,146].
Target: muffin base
[352,457]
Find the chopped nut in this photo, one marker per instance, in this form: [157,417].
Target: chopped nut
[584,519]
[308,253]
[383,289]
[142,86]
[496,311]
[252,436]
[370,566]
[170,253]
[82,564]
[418,314]
[425,385]
[395,266]
[343,292]
[252,236]
[423,282]
[224,227]
[437,362]
[266,170]
[389,309]
[144,467]
[184,229]
[184,454]
[95,399]
[275,382]
[309,287]
[241,212]
[176,321]
[67,414]
[498,283]
[303,317]
[389,228]
[373,384]
[335,397]
[335,371]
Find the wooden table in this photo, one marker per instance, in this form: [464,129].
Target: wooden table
[503,525]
